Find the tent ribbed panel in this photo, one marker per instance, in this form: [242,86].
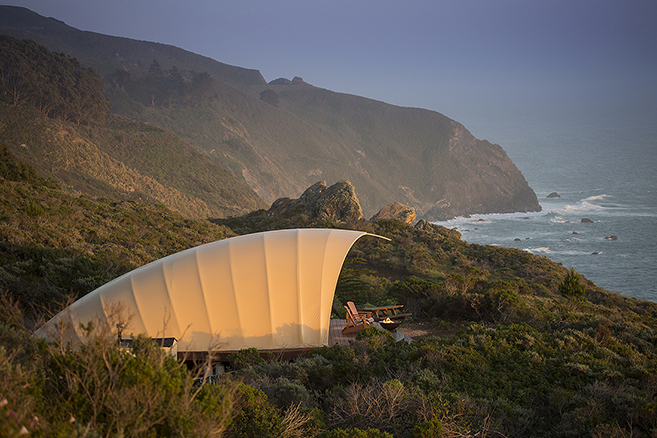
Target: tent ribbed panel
[121,292]
[312,250]
[171,325]
[78,310]
[153,305]
[281,251]
[202,291]
[216,280]
[250,289]
[186,298]
[340,244]
[271,332]
[300,300]
[265,290]
[324,316]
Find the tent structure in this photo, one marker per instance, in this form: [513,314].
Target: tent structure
[272,290]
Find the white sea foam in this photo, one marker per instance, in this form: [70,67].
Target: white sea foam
[580,207]
[559,220]
[596,198]
[543,249]
[483,219]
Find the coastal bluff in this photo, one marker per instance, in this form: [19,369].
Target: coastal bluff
[278,138]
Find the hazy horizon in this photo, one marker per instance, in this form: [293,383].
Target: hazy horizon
[470,60]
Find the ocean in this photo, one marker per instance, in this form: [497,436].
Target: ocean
[603,165]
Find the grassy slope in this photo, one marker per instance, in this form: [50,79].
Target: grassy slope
[54,244]
[521,359]
[126,160]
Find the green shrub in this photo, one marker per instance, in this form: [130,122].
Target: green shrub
[256,417]
[571,286]
[428,429]
[136,393]
[245,358]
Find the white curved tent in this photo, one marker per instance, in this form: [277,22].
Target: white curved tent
[271,290]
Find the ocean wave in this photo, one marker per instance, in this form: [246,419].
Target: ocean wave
[543,249]
[596,198]
[580,207]
[569,252]
[475,219]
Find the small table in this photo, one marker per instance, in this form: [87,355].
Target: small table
[384,312]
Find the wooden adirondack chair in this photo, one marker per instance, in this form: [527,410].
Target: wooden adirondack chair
[356,321]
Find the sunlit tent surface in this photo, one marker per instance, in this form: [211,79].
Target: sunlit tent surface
[270,290]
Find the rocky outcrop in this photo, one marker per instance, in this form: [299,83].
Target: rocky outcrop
[397,211]
[439,229]
[283,81]
[337,202]
[586,220]
[553,195]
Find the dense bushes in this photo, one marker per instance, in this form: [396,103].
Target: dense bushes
[53,83]
[511,380]
[532,350]
[100,388]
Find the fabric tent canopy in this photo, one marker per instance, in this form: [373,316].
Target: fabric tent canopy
[271,290]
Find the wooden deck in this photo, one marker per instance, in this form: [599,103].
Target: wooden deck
[335,333]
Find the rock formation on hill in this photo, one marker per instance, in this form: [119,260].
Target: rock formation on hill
[397,211]
[337,202]
[433,228]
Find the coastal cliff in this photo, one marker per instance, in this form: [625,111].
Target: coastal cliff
[279,138]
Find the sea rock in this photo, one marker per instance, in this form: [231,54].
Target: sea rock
[437,229]
[553,195]
[337,202]
[397,211]
[611,238]
[586,221]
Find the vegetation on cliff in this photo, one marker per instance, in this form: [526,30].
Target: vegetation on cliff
[280,138]
[521,346]
[56,245]
[511,344]
[53,83]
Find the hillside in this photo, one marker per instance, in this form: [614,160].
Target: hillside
[521,346]
[126,160]
[55,244]
[105,53]
[281,138]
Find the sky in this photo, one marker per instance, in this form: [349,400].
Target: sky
[468,59]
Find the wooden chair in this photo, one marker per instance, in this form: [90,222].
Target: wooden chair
[356,321]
